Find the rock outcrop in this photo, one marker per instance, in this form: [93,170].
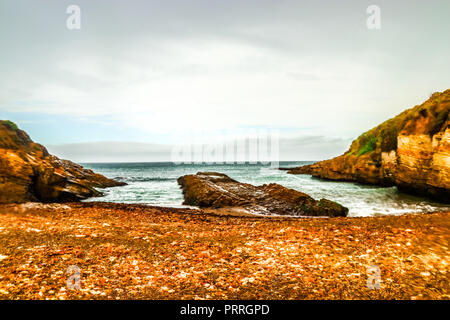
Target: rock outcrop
[217,190]
[410,151]
[29,173]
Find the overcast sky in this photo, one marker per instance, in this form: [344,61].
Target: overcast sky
[140,76]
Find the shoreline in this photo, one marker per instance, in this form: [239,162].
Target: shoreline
[239,212]
[146,252]
[232,212]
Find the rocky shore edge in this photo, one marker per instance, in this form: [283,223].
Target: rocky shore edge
[410,151]
[28,172]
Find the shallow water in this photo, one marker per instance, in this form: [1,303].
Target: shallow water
[155,183]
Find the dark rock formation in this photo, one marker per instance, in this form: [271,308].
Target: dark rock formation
[410,151]
[217,190]
[29,173]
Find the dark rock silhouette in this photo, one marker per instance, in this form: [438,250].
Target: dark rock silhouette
[29,173]
[217,190]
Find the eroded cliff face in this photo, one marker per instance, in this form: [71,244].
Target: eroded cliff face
[411,151]
[423,164]
[29,173]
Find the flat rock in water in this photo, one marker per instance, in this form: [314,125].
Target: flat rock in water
[217,190]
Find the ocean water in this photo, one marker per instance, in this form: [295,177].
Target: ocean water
[156,184]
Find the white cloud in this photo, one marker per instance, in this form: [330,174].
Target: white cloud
[173,68]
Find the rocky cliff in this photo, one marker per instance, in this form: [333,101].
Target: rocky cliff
[410,151]
[29,173]
[217,190]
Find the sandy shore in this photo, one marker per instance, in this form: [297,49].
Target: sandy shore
[139,252]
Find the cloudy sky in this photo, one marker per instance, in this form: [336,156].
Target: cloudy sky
[140,76]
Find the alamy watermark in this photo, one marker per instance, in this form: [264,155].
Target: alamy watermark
[374,19]
[73,22]
[255,147]
[74,279]
[373,277]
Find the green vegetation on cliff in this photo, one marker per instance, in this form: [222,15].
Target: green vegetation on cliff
[427,118]
[417,147]
[11,125]
[369,144]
